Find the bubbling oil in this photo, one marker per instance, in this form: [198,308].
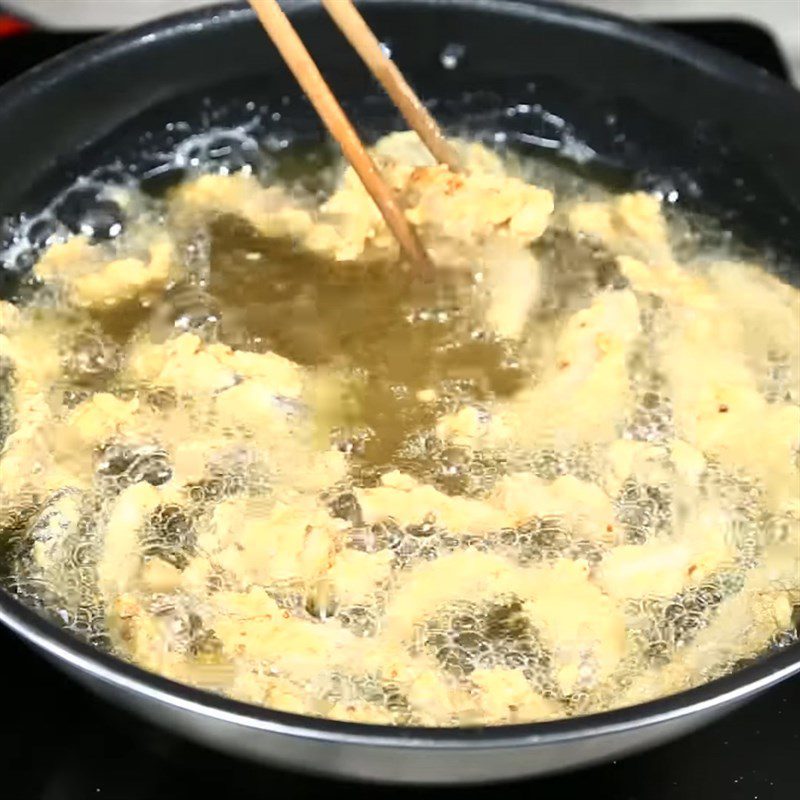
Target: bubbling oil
[388,340]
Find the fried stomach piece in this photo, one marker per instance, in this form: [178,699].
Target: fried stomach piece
[25,455]
[740,629]
[455,212]
[9,317]
[718,405]
[407,502]
[675,461]
[100,418]
[252,627]
[30,365]
[356,576]
[473,427]
[631,224]
[584,506]
[269,210]
[505,696]
[665,566]
[582,627]
[92,282]
[583,395]
[513,285]
[29,350]
[293,540]
[121,558]
[480,219]
[516,499]
[147,636]
[190,366]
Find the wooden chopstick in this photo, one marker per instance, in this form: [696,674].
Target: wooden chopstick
[297,58]
[363,40]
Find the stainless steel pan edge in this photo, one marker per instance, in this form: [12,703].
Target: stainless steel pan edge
[380,753]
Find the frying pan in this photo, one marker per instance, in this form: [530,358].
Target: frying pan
[645,108]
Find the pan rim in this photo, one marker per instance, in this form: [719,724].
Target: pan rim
[63,646]
[110,669]
[695,54]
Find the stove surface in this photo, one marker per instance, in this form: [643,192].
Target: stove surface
[57,742]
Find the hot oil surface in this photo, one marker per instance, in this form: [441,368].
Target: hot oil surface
[393,334]
[387,357]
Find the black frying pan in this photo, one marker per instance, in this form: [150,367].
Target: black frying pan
[658,111]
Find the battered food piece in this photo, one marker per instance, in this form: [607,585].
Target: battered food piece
[583,628]
[26,449]
[89,283]
[718,406]
[583,506]
[357,577]
[480,220]
[9,316]
[631,224]
[401,499]
[513,282]
[449,209]
[334,492]
[120,561]
[506,697]
[474,427]
[583,395]
[191,367]
[295,540]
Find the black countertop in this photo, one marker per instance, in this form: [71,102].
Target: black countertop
[57,742]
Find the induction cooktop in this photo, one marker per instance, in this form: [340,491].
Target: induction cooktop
[58,742]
